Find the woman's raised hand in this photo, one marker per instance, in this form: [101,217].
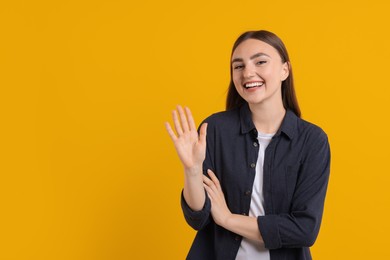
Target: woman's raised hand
[190,146]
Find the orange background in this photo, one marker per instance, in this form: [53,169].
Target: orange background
[87,170]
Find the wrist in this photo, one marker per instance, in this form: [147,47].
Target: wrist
[227,221]
[194,171]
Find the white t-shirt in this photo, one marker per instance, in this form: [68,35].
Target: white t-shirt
[250,249]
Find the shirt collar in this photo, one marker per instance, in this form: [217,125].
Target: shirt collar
[288,126]
[246,119]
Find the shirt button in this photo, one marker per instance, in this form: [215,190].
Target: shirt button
[253,165]
[248,192]
[255,144]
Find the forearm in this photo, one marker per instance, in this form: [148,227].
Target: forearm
[244,226]
[239,224]
[193,191]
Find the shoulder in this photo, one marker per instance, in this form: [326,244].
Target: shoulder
[228,118]
[300,129]
[223,125]
[311,136]
[309,129]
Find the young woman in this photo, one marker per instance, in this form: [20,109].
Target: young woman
[256,174]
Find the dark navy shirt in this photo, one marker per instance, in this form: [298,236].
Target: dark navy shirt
[296,173]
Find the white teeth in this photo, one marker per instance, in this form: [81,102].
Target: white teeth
[254,84]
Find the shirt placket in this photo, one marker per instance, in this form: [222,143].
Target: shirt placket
[267,169]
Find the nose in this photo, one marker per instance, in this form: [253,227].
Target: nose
[249,72]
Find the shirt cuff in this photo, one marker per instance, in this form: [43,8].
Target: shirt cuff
[196,219]
[269,230]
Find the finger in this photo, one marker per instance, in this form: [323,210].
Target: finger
[207,181]
[176,122]
[203,133]
[211,185]
[214,179]
[190,118]
[209,191]
[183,119]
[170,131]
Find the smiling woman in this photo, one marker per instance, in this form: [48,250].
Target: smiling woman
[255,175]
[272,43]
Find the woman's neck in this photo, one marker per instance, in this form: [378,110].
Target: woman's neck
[267,119]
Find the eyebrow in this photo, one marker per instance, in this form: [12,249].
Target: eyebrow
[254,56]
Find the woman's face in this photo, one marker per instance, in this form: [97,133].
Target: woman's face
[258,72]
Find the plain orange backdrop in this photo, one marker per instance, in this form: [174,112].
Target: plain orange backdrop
[87,170]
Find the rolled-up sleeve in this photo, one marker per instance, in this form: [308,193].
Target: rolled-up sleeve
[300,226]
[196,219]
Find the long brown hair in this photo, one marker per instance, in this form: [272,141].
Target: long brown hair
[289,98]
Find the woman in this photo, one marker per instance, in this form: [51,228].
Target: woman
[256,174]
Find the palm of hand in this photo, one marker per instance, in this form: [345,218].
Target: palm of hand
[190,146]
[191,152]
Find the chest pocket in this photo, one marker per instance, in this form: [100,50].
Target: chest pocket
[292,173]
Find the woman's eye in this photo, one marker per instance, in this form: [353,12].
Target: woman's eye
[261,62]
[238,67]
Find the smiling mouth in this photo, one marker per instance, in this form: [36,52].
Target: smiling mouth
[253,85]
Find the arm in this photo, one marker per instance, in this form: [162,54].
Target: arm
[191,149]
[299,227]
[239,224]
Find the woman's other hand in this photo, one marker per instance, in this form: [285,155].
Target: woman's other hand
[219,208]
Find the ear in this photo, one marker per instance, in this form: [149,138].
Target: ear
[285,71]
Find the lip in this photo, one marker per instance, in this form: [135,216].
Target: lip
[252,82]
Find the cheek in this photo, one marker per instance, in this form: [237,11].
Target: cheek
[236,80]
[271,74]
[237,88]
[267,72]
